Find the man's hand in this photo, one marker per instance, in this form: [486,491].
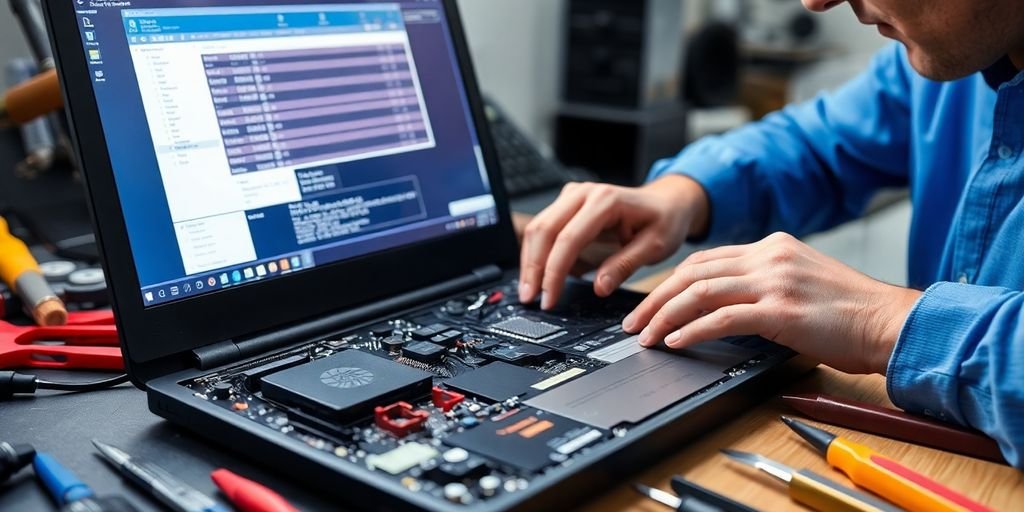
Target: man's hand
[614,229]
[785,291]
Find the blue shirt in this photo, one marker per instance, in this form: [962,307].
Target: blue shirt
[958,147]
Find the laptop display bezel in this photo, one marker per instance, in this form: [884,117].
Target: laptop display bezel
[169,331]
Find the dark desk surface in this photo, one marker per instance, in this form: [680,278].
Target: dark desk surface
[64,424]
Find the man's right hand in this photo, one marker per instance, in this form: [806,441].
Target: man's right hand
[636,226]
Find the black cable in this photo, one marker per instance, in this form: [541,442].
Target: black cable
[82,386]
[14,383]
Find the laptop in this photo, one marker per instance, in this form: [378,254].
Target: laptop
[312,261]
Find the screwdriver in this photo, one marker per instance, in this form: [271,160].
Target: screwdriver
[72,494]
[20,271]
[812,489]
[885,477]
[171,491]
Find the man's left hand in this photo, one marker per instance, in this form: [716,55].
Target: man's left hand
[785,291]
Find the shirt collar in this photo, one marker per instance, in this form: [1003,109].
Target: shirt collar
[999,73]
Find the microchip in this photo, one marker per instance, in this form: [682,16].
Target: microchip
[447,338]
[525,328]
[346,385]
[497,381]
[424,352]
[529,440]
[425,333]
[403,458]
[518,353]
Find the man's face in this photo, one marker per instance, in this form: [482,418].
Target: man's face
[945,39]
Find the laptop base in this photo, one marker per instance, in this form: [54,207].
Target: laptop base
[474,401]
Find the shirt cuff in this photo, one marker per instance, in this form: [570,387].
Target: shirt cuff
[923,372]
[725,176]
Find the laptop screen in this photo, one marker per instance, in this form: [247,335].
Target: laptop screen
[251,142]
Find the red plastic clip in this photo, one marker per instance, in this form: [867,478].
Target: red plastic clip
[495,297]
[446,399]
[400,418]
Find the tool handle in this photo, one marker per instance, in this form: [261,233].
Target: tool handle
[72,334]
[249,496]
[895,482]
[62,356]
[95,317]
[896,424]
[34,98]
[64,486]
[15,257]
[820,493]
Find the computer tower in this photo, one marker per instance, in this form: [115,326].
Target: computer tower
[622,106]
[623,54]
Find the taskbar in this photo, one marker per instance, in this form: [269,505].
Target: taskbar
[229,277]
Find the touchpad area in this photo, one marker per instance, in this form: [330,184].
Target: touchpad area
[634,388]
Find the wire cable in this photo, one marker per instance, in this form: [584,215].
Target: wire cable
[82,386]
[14,383]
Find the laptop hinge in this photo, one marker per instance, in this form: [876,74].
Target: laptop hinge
[230,351]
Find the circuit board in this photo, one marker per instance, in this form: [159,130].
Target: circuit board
[439,398]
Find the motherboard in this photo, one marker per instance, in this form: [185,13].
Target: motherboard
[475,396]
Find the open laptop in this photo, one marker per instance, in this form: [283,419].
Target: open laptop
[312,261]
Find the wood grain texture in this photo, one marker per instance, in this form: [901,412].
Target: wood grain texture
[1000,487]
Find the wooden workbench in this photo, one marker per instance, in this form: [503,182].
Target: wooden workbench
[998,486]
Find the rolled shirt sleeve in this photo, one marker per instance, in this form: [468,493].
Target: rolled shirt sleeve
[960,358]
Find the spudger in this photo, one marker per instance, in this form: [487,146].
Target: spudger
[168,489]
[895,424]
[812,489]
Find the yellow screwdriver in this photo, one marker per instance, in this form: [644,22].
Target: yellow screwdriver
[882,475]
[20,271]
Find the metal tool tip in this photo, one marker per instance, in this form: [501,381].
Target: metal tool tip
[109,452]
[750,459]
[734,454]
[802,397]
[818,438]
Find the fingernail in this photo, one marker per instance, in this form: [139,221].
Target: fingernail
[644,335]
[545,300]
[525,292]
[607,284]
[627,323]
[672,338]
